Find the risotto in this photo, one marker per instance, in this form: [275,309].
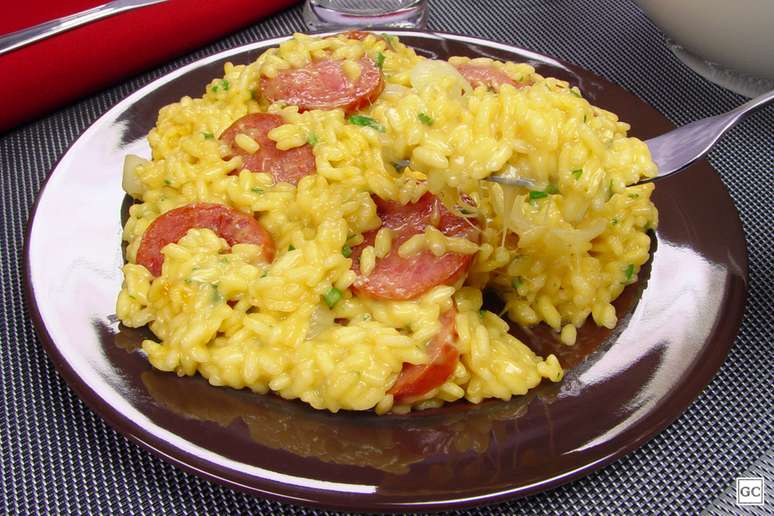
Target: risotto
[317,224]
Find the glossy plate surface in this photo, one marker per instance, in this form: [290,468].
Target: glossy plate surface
[676,328]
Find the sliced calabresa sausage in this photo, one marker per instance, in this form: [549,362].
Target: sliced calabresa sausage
[486,75]
[322,84]
[233,226]
[359,35]
[395,277]
[416,380]
[287,166]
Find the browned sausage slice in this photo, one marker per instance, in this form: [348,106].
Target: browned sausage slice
[395,277]
[324,85]
[416,380]
[287,166]
[233,226]
[486,75]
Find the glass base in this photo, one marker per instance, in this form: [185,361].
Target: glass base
[333,14]
[740,83]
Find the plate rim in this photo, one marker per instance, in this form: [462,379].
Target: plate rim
[201,467]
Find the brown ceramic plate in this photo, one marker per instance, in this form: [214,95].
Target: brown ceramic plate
[676,328]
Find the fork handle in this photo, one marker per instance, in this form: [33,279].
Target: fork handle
[676,150]
[24,37]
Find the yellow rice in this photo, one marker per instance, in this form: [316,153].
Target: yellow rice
[557,258]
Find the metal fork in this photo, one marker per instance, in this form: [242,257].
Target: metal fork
[24,37]
[676,150]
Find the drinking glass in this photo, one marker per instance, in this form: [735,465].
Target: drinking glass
[335,14]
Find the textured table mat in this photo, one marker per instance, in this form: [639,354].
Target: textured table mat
[58,457]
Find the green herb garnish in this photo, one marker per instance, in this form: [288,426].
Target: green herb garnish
[257,190]
[614,221]
[577,173]
[312,139]
[425,119]
[481,313]
[576,94]
[167,182]
[629,272]
[389,40]
[332,297]
[366,121]
[379,60]
[216,297]
[533,195]
[552,189]
[208,135]
[291,247]
[254,94]
[517,282]
[634,196]
[346,251]
[225,85]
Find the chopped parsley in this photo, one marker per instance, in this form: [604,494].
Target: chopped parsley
[577,173]
[629,272]
[254,94]
[265,273]
[379,59]
[208,135]
[517,282]
[425,119]
[634,196]
[346,251]
[332,297]
[552,189]
[481,313]
[312,139]
[225,85]
[257,190]
[366,121]
[291,247]
[167,182]
[216,297]
[576,94]
[585,117]
[614,221]
[533,195]
[389,39]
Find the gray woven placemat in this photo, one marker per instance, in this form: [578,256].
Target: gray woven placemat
[59,457]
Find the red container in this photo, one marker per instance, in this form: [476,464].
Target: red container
[47,74]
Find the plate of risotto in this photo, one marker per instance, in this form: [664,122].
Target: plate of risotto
[283,267]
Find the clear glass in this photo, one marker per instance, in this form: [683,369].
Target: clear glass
[334,14]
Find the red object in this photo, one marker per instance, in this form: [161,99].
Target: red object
[47,74]
[288,165]
[416,380]
[489,76]
[394,277]
[324,85]
[233,226]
